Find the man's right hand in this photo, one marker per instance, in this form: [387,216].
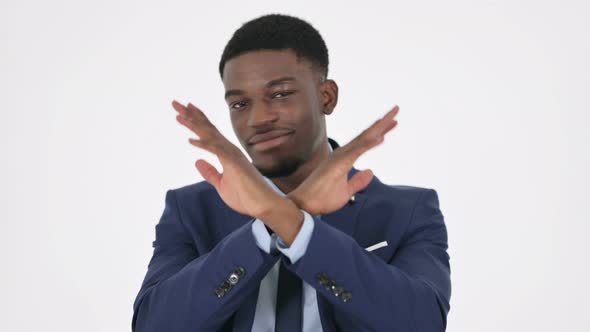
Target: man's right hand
[240,185]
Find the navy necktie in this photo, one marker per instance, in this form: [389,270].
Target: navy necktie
[289,316]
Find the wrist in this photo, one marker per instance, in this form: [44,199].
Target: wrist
[310,206]
[284,218]
[292,196]
[277,207]
[269,209]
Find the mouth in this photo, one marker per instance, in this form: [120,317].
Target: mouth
[271,143]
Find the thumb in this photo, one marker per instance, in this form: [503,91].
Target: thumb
[360,180]
[208,172]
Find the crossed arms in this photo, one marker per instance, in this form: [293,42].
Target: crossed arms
[411,292]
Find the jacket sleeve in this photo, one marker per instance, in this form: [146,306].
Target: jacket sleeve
[411,292]
[184,290]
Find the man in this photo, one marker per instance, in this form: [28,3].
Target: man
[297,239]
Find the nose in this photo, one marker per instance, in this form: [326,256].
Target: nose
[262,114]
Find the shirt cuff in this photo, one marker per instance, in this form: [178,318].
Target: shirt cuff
[299,245]
[261,235]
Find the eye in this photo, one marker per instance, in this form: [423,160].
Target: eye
[238,103]
[284,93]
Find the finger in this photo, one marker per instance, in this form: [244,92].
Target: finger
[359,181]
[372,136]
[184,116]
[196,113]
[192,126]
[378,128]
[386,123]
[210,131]
[176,105]
[208,172]
[389,127]
[194,119]
[211,147]
[200,117]
[181,109]
[392,113]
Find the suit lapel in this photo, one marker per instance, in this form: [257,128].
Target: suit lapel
[345,218]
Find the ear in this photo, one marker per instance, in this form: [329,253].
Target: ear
[329,95]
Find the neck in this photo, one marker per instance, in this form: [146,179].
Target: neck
[289,183]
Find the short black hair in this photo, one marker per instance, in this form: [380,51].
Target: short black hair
[278,32]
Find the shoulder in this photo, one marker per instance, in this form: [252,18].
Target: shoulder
[197,188]
[197,193]
[397,193]
[400,201]
[409,208]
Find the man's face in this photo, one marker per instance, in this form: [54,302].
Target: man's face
[270,94]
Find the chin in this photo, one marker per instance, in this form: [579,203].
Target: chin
[279,169]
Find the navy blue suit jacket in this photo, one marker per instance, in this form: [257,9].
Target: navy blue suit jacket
[200,242]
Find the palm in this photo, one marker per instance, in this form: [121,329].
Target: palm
[240,185]
[236,176]
[328,188]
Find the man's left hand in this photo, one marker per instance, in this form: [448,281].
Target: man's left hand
[327,188]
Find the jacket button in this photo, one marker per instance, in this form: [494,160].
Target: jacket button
[337,290]
[322,278]
[328,284]
[226,286]
[233,278]
[219,292]
[346,296]
[240,271]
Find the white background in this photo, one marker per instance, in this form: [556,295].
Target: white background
[493,102]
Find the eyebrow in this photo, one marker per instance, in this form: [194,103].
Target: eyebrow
[277,81]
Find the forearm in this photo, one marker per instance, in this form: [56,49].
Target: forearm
[183,289]
[377,294]
[193,290]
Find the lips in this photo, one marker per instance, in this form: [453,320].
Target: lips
[270,140]
[268,136]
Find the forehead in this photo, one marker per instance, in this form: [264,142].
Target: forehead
[256,68]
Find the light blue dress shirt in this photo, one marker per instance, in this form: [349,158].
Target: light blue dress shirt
[264,318]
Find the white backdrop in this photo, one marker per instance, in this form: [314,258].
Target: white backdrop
[493,102]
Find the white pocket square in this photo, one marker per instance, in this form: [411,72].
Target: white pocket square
[376,246]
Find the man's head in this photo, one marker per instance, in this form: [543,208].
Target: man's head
[274,69]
